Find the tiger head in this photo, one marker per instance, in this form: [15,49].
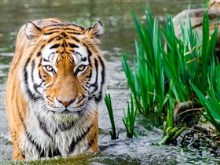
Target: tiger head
[65,67]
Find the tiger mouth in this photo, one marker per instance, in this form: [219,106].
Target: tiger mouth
[66,111]
[69,110]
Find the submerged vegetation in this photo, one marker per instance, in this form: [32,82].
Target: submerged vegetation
[173,75]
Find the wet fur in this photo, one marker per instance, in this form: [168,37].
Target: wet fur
[37,131]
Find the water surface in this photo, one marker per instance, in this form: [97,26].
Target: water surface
[119,37]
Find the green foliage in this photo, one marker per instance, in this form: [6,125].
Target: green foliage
[211,102]
[165,68]
[108,103]
[146,82]
[129,118]
[187,60]
[206,2]
[170,132]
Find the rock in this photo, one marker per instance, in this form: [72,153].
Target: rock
[196,16]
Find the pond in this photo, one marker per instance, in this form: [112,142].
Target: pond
[119,37]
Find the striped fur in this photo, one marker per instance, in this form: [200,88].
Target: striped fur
[54,84]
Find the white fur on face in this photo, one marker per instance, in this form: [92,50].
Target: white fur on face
[49,57]
[80,57]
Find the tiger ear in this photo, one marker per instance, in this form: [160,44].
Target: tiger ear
[32,31]
[96,31]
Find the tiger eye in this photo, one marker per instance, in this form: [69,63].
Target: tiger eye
[48,68]
[82,67]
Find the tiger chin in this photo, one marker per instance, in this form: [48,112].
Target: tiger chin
[54,85]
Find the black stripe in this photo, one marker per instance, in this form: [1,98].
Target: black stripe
[84,59]
[89,54]
[55,152]
[91,140]
[66,126]
[95,85]
[50,40]
[75,39]
[19,114]
[40,151]
[54,46]
[72,45]
[32,70]
[63,52]
[30,94]
[76,33]
[39,65]
[53,29]
[98,97]
[84,87]
[43,127]
[42,46]
[32,78]
[46,60]
[36,86]
[76,140]
[71,29]
[38,54]
[27,62]
[64,44]
[49,33]
[63,24]
[32,141]
[89,76]
[64,34]
[50,153]
[58,38]
[103,70]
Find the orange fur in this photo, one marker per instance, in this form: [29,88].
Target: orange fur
[17,103]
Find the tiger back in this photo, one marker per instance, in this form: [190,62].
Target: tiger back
[54,84]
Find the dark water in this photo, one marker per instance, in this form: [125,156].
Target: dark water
[119,36]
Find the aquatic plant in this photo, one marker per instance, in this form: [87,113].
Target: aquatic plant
[187,59]
[170,131]
[108,103]
[196,59]
[146,79]
[129,118]
[165,68]
[211,101]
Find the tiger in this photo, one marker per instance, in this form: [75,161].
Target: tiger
[55,83]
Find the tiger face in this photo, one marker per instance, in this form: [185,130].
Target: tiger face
[66,75]
[71,70]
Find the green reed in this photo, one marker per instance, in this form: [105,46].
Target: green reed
[166,66]
[129,118]
[170,131]
[146,78]
[108,103]
[187,59]
[211,101]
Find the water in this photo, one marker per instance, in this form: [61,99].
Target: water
[119,37]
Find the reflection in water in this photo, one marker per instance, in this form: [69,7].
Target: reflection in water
[119,36]
[116,16]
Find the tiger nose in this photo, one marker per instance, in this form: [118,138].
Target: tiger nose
[65,102]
